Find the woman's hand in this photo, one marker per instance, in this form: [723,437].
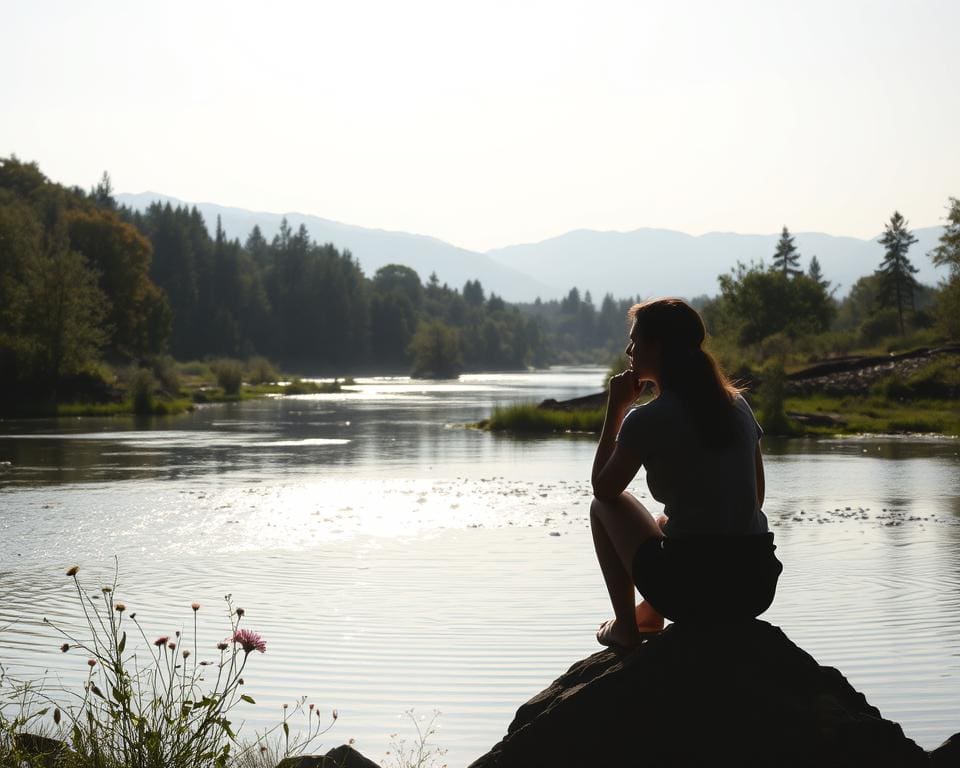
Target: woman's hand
[624,389]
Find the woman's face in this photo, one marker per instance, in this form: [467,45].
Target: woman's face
[644,355]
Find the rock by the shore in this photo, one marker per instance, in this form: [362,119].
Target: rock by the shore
[343,756]
[741,695]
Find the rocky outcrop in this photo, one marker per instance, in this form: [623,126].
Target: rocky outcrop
[741,695]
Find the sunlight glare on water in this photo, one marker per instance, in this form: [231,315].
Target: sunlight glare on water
[394,558]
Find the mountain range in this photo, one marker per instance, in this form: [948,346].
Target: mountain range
[642,262]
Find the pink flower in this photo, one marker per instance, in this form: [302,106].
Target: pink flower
[161,641]
[250,640]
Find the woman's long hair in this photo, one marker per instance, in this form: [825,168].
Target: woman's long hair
[687,369]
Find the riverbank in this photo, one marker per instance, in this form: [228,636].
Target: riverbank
[915,392]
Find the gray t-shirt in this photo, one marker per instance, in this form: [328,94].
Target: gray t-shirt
[703,491]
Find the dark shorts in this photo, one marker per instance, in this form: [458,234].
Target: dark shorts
[708,578]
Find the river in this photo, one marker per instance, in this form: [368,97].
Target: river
[395,560]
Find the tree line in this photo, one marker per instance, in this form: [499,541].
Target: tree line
[84,282]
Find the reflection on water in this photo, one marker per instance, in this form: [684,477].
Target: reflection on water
[395,559]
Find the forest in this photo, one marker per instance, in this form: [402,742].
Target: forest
[92,293]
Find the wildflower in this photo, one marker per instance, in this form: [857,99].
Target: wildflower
[222,646]
[177,633]
[240,681]
[195,606]
[262,749]
[56,716]
[120,607]
[240,612]
[133,615]
[73,570]
[335,714]
[312,706]
[249,640]
[161,641]
[91,663]
[172,646]
[106,590]
[286,706]
[65,647]
[186,654]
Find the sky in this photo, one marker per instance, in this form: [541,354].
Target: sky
[493,123]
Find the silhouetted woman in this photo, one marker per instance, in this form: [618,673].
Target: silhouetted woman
[709,557]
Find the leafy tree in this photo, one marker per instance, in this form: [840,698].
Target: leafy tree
[435,349]
[897,283]
[60,311]
[137,314]
[757,303]
[786,259]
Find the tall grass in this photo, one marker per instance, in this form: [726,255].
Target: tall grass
[529,418]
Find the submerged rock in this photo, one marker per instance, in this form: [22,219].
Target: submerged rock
[736,694]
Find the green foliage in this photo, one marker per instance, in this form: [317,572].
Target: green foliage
[229,375]
[301,387]
[786,259]
[261,371]
[884,322]
[756,303]
[140,386]
[771,398]
[896,281]
[947,254]
[435,349]
[530,418]
[145,702]
[164,369]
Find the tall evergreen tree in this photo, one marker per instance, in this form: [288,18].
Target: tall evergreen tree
[786,258]
[897,283]
[815,273]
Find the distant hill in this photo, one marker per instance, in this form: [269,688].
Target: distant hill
[644,262]
[373,248]
[657,262]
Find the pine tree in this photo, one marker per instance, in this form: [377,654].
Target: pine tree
[897,283]
[786,259]
[816,274]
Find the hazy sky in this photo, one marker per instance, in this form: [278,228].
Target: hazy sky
[489,123]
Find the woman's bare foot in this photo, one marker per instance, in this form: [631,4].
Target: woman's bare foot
[648,620]
[612,634]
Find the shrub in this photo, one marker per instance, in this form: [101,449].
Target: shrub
[164,369]
[141,385]
[229,375]
[771,400]
[261,371]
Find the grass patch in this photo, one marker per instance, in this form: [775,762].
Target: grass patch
[125,408]
[529,418]
[878,414]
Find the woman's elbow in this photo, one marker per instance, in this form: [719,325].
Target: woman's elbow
[604,492]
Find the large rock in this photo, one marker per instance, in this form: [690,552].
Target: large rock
[343,756]
[739,695]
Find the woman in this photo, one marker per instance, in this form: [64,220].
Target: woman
[710,556]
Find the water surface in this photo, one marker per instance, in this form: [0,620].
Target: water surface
[394,559]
